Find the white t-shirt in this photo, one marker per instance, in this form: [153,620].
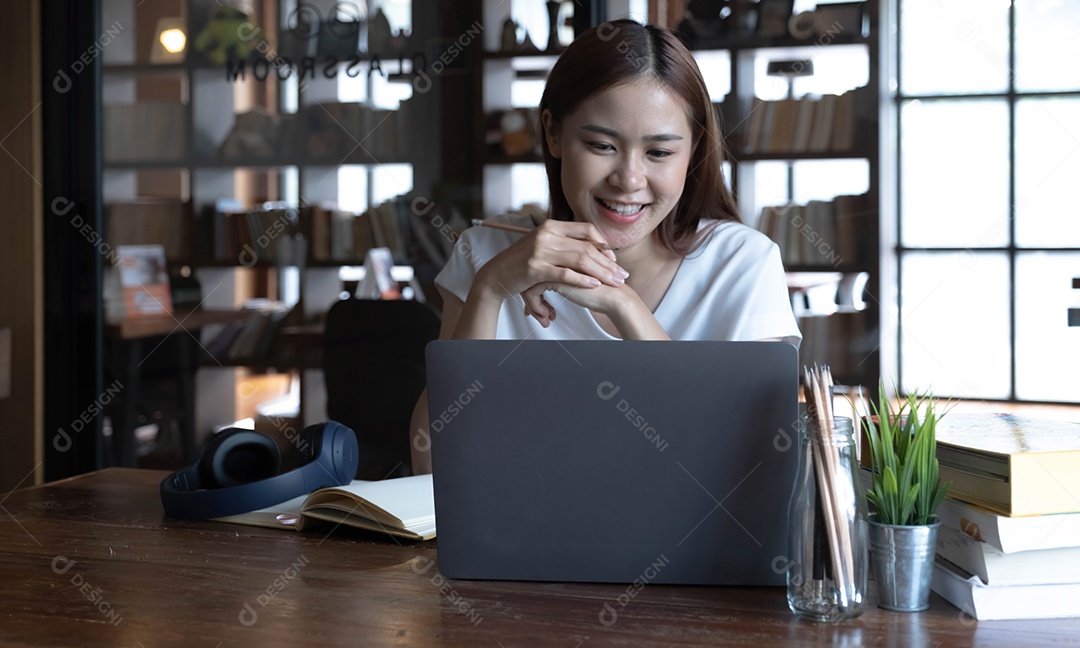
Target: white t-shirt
[731,288]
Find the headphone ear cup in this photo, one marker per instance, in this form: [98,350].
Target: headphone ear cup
[340,450]
[310,443]
[236,456]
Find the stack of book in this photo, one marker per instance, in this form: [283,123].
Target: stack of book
[841,341]
[807,125]
[150,222]
[819,233]
[1009,541]
[271,232]
[338,235]
[251,338]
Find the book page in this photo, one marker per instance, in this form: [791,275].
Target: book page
[419,532]
[404,502]
[1007,434]
[285,515]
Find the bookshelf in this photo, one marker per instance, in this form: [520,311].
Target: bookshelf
[845,336]
[186,137]
[836,236]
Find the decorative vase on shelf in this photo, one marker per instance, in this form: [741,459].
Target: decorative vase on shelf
[528,46]
[508,42]
[553,44]
[906,492]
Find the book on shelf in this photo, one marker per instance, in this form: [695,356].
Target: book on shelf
[821,127]
[250,338]
[1010,464]
[781,127]
[148,222]
[804,123]
[754,126]
[807,124]
[1011,534]
[820,233]
[317,220]
[333,132]
[224,338]
[839,340]
[842,137]
[402,507]
[995,567]
[988,602]
[138,286]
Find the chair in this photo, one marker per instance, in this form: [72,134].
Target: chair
[373,361]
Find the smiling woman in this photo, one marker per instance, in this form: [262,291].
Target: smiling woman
[643,240]
[632,151]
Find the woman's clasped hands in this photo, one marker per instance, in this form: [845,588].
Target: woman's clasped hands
[567,257]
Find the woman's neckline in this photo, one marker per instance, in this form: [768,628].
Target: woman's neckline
[661,307]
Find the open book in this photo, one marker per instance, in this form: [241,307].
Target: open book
[403,507]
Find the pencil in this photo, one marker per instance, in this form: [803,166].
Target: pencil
[479,222]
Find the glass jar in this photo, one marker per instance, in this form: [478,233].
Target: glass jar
[827,569]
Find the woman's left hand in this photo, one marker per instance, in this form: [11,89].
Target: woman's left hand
[603,299]
[622,305]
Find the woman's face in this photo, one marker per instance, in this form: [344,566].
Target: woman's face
[625,154]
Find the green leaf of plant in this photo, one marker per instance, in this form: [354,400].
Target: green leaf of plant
[903,455]
[891,495]
[907,507]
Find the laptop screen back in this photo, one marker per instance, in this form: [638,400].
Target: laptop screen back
[601,461]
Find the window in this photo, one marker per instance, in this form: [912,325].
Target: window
[988,229]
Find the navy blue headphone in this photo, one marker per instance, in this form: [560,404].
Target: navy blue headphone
[237,472]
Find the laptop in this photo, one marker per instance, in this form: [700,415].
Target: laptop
[621,462]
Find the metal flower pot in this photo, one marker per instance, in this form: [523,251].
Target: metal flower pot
[903,559]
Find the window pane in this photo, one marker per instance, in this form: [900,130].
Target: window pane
[1047,350]
[954,173]
[827,179]
[528,185]
[760,185]
[528,79]
[954,324]
[953,47]
[1047,45]
[389,180]
[837,69]
[715,66]
[1047,168]
[352,188]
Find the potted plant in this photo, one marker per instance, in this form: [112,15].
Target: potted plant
[906,492]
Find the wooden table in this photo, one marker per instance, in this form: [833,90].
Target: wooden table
[91,561]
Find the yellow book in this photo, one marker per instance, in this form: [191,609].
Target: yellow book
[1012,465]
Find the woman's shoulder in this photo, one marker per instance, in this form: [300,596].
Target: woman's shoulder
[727,238]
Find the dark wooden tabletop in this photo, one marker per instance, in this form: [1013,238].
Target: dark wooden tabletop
[92,561]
